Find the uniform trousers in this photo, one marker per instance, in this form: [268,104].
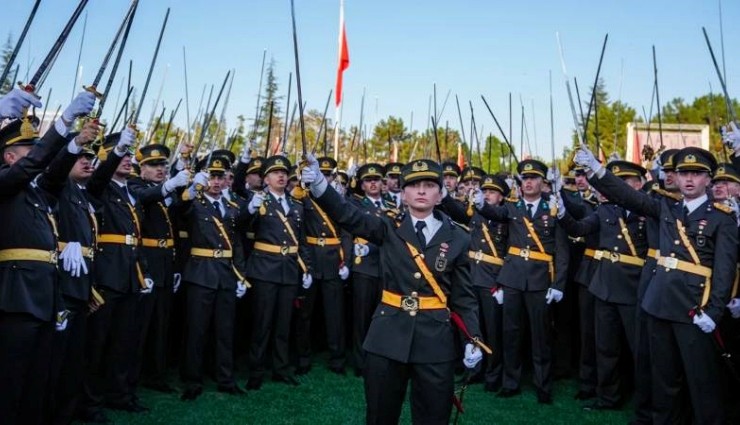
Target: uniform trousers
[332,296]
[206,307]
[273,309]
[366,293]
[532,304]
[386,380]
[25,352]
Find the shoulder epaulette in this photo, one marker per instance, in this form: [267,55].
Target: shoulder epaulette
[667,194]
[460,225]
[514,200]
[722,207]
[233,204]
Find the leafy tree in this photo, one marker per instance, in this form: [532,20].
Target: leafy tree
[7,50]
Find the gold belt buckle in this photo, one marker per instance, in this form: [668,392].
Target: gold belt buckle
[322,241]
[284,250]
[614,256]
[478,256]
[410,303]
[218,253]
[524,253]
[598,255]
[129,240]
[162,243]
[670,262]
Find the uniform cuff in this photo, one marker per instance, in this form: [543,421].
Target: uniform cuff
[61,127]
[318,188]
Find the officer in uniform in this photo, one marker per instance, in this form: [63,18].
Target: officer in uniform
[77,228]
[214,277]
[392,182]
[581,270]
[158,246]
[329,249]
[488,244]
[279,262]
[620,257]
[691,285]
[366,284]
[450,177]
[426,275]
[533,276]
[470,178]
[28,253]
[121,276]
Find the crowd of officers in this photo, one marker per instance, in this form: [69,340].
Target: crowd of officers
[118,263]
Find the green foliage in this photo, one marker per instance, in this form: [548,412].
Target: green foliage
[7,50]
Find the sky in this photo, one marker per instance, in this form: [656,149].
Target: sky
[398,51]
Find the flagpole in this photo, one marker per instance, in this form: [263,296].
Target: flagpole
[337,125]
[342,64]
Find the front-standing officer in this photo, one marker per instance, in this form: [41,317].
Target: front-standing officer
[426,276]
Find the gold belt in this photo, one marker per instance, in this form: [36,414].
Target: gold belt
[275,249]
[616,257]
[527,254]
[86,250]
[672,263]
[479,256]
[26,254]
[311,240]
[158,243]
[653,253]
[589,252]
[118,239]
[412,303]
[211,253]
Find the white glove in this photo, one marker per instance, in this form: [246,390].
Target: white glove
[246,156]
[307,280]
[73,261]
[498,295]
[444,192]
[473,355]
[62,320]
[81,105]
[15,101]
[201,179]
[586,158]
[257,199]
[731,137]
[478,199]
[148,286]
[343,272]
[553,295]
[361,250]
[704,322]
[127,139]
[311,174]
[176,279]
[352,171]
[510,182]
[180,180]
[241,289]
[338,187]
[734,307]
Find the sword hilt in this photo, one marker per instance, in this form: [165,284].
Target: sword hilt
[94,90]
[29,88]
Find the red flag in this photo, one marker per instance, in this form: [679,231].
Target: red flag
[343,54]
[460,156]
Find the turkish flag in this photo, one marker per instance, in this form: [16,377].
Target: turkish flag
[343,54]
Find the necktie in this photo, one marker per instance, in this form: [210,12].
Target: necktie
[217,207]
[377,204]
[127,194]
[685,212]
[282,205]
[420,225]
[529,209]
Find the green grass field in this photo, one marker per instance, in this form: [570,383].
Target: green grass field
[325,398]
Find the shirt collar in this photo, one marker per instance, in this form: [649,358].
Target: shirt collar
[695,203]
[211,199]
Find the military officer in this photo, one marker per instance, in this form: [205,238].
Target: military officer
[77,228]
[392,182]
[691,285]
[366,285]
[121,276]
[328,247]
[488,244]
[426,275]
[620,259]
[214,276]
[29,306]
[278,264]
[451,173]
[533,276]
[158,246]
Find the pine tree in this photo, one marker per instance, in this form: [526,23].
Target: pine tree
[7,51]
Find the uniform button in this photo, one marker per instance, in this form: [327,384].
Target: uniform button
[528,235]
[701,286]
[673,254]
[676,242]
[619,236]
[616,249]
[323,234]
[417,275]
[482,241]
